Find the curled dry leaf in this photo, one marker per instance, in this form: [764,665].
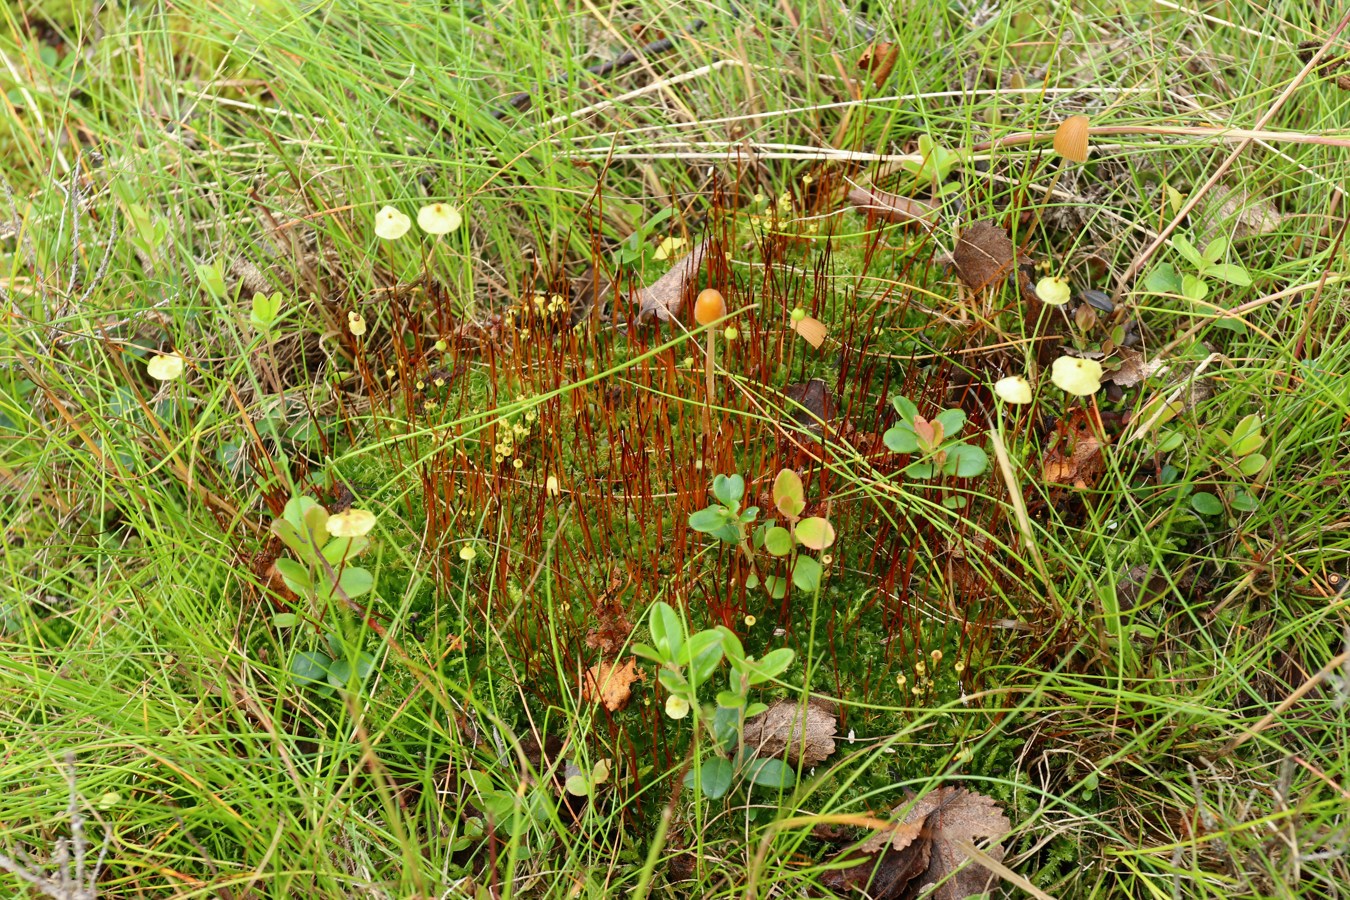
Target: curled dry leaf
[886,864]
[610,626]
[610,683]
[955,816]
[1133,368]
[1075,458]
[783,730]
[818,402]
[983,255]
[879,59]
[661,301]
[925,850]
[893,207]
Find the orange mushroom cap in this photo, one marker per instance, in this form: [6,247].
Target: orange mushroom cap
[709,307]
[1071,139]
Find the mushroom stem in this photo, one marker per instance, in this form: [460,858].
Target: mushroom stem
[1049,193]
[709,360]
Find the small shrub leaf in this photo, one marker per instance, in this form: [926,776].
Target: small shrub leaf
[815,533]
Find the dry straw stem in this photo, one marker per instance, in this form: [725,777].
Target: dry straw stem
[1019,506]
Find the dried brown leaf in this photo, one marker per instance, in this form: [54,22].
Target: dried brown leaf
[983,255]
[662,299]
[886,864]
[955,815]
[1236,212]
[1076,457]
[879,59]
[893,207]
[611,627]
[899,862]
[783,730]
[1133,368]
[818,402]
[610,683]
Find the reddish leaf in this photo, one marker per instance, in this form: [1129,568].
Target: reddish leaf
[879,60]
[983,255]
[662,300]
[1075,458]
[899,862]
[893,207]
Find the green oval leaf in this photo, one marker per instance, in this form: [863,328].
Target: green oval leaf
[1231,273]
[709,520]
[1187,249]
[1194,288]
[965,461]
[806,573]
[906,408]
[1252,464]
[702,653]
[1247,436]
[355,581]
[729,700]
[340,672]
[774,663]
[667,630]
[729,489]
[772,773]
[1163,280]
[952,421]
[1206,503]
[901,438]
[778,541]
[309,667]
[714,776]
[296,576]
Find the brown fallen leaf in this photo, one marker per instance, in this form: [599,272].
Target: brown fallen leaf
[818,405]
[611,627]
[662,299]
[1076,456]
[1237,213]
[610,683]
[893,207]
[955,815]
[1133,368]
[983,255]
[879,60]
[925,849]
[782,730]
[885,864]
[899,862]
